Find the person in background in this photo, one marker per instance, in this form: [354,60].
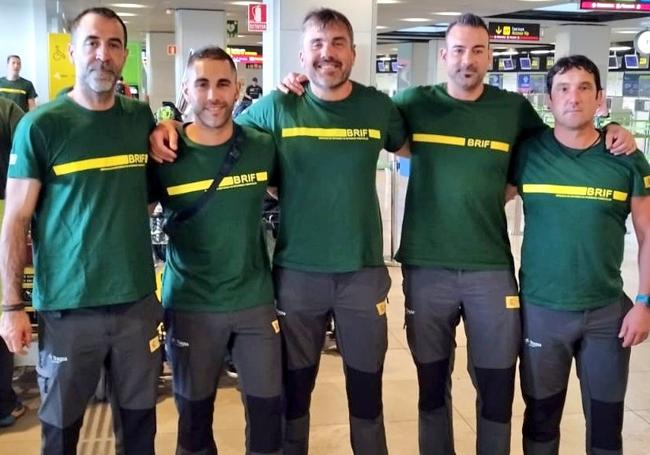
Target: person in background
[16,88]
[10,408]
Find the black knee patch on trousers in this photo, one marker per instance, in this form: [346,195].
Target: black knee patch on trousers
[542,417]
[138,430]
[61,441]
[606,425]
[432,378]
[195,425]
[497,389]
[364,393]
[298,385]
[265,424]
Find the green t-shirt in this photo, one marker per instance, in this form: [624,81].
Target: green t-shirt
[92,243]
[10,114]
[18,91]
[217,260]
[454,216]
[575,206]
[327,154]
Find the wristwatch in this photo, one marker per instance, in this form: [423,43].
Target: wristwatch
[643,299]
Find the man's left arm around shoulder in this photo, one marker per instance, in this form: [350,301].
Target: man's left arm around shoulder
[636,323]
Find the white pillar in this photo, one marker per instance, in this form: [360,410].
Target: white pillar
[195,29]
[161,81]
[590,40]
[283,38]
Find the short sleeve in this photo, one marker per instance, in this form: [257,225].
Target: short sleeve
[29,152]
[261,115]
[640,175]
[31,91]
[396,134]
[154,187]
[531,122]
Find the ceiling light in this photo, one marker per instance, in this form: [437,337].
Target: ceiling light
[543,51]
[123,14]
[627,32]
[447,13]
[128,5]
[381,27]
[388,2]
[620,48]
[242,3]
[416,19]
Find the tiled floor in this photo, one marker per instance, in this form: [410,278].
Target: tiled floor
[329,434]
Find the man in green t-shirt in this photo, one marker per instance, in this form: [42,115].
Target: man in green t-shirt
[77,176]
[16,88]
[454,248]
[217,285]
[10,407]
[577,197]
[328,258]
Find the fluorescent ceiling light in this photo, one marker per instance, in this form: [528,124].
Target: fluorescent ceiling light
[129,5]
[543,51]
[627,32]
[423,29]
[242,3]
[381,27]
[388,2]
[447,13]
[416,19]
[123,14]
[620,48]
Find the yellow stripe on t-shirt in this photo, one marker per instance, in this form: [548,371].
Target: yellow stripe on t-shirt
[646,181]
[227,182]
[105,163]
[575,191]
[500,146]
[330,133]
[439,139]
[201,185]
[12,90]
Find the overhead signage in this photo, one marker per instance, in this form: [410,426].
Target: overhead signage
[617,5]
[241,55]
[257,17]
[504,31]
[171,49]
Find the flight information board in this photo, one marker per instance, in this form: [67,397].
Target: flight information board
[617,5]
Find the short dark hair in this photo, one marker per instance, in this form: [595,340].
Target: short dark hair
[568,63]
[327,16]
[106,13]
[254,79]
[468,20]
[9,57]
[211,53]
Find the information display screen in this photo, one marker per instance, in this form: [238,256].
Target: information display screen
[617,5]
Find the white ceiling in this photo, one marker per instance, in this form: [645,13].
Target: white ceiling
[155,17]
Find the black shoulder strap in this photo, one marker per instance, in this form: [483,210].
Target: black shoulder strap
[234,152]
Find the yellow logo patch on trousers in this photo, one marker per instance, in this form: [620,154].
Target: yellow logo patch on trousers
[512,302]
[381,308]
[154,343]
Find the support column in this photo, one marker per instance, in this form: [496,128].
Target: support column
[591,40]
[283,38]
[195,29]
[161,80]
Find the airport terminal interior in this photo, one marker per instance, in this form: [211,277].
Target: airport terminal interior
[398,45]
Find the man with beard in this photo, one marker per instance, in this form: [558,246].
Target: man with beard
[77,176]
[328,143]
[217,289]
